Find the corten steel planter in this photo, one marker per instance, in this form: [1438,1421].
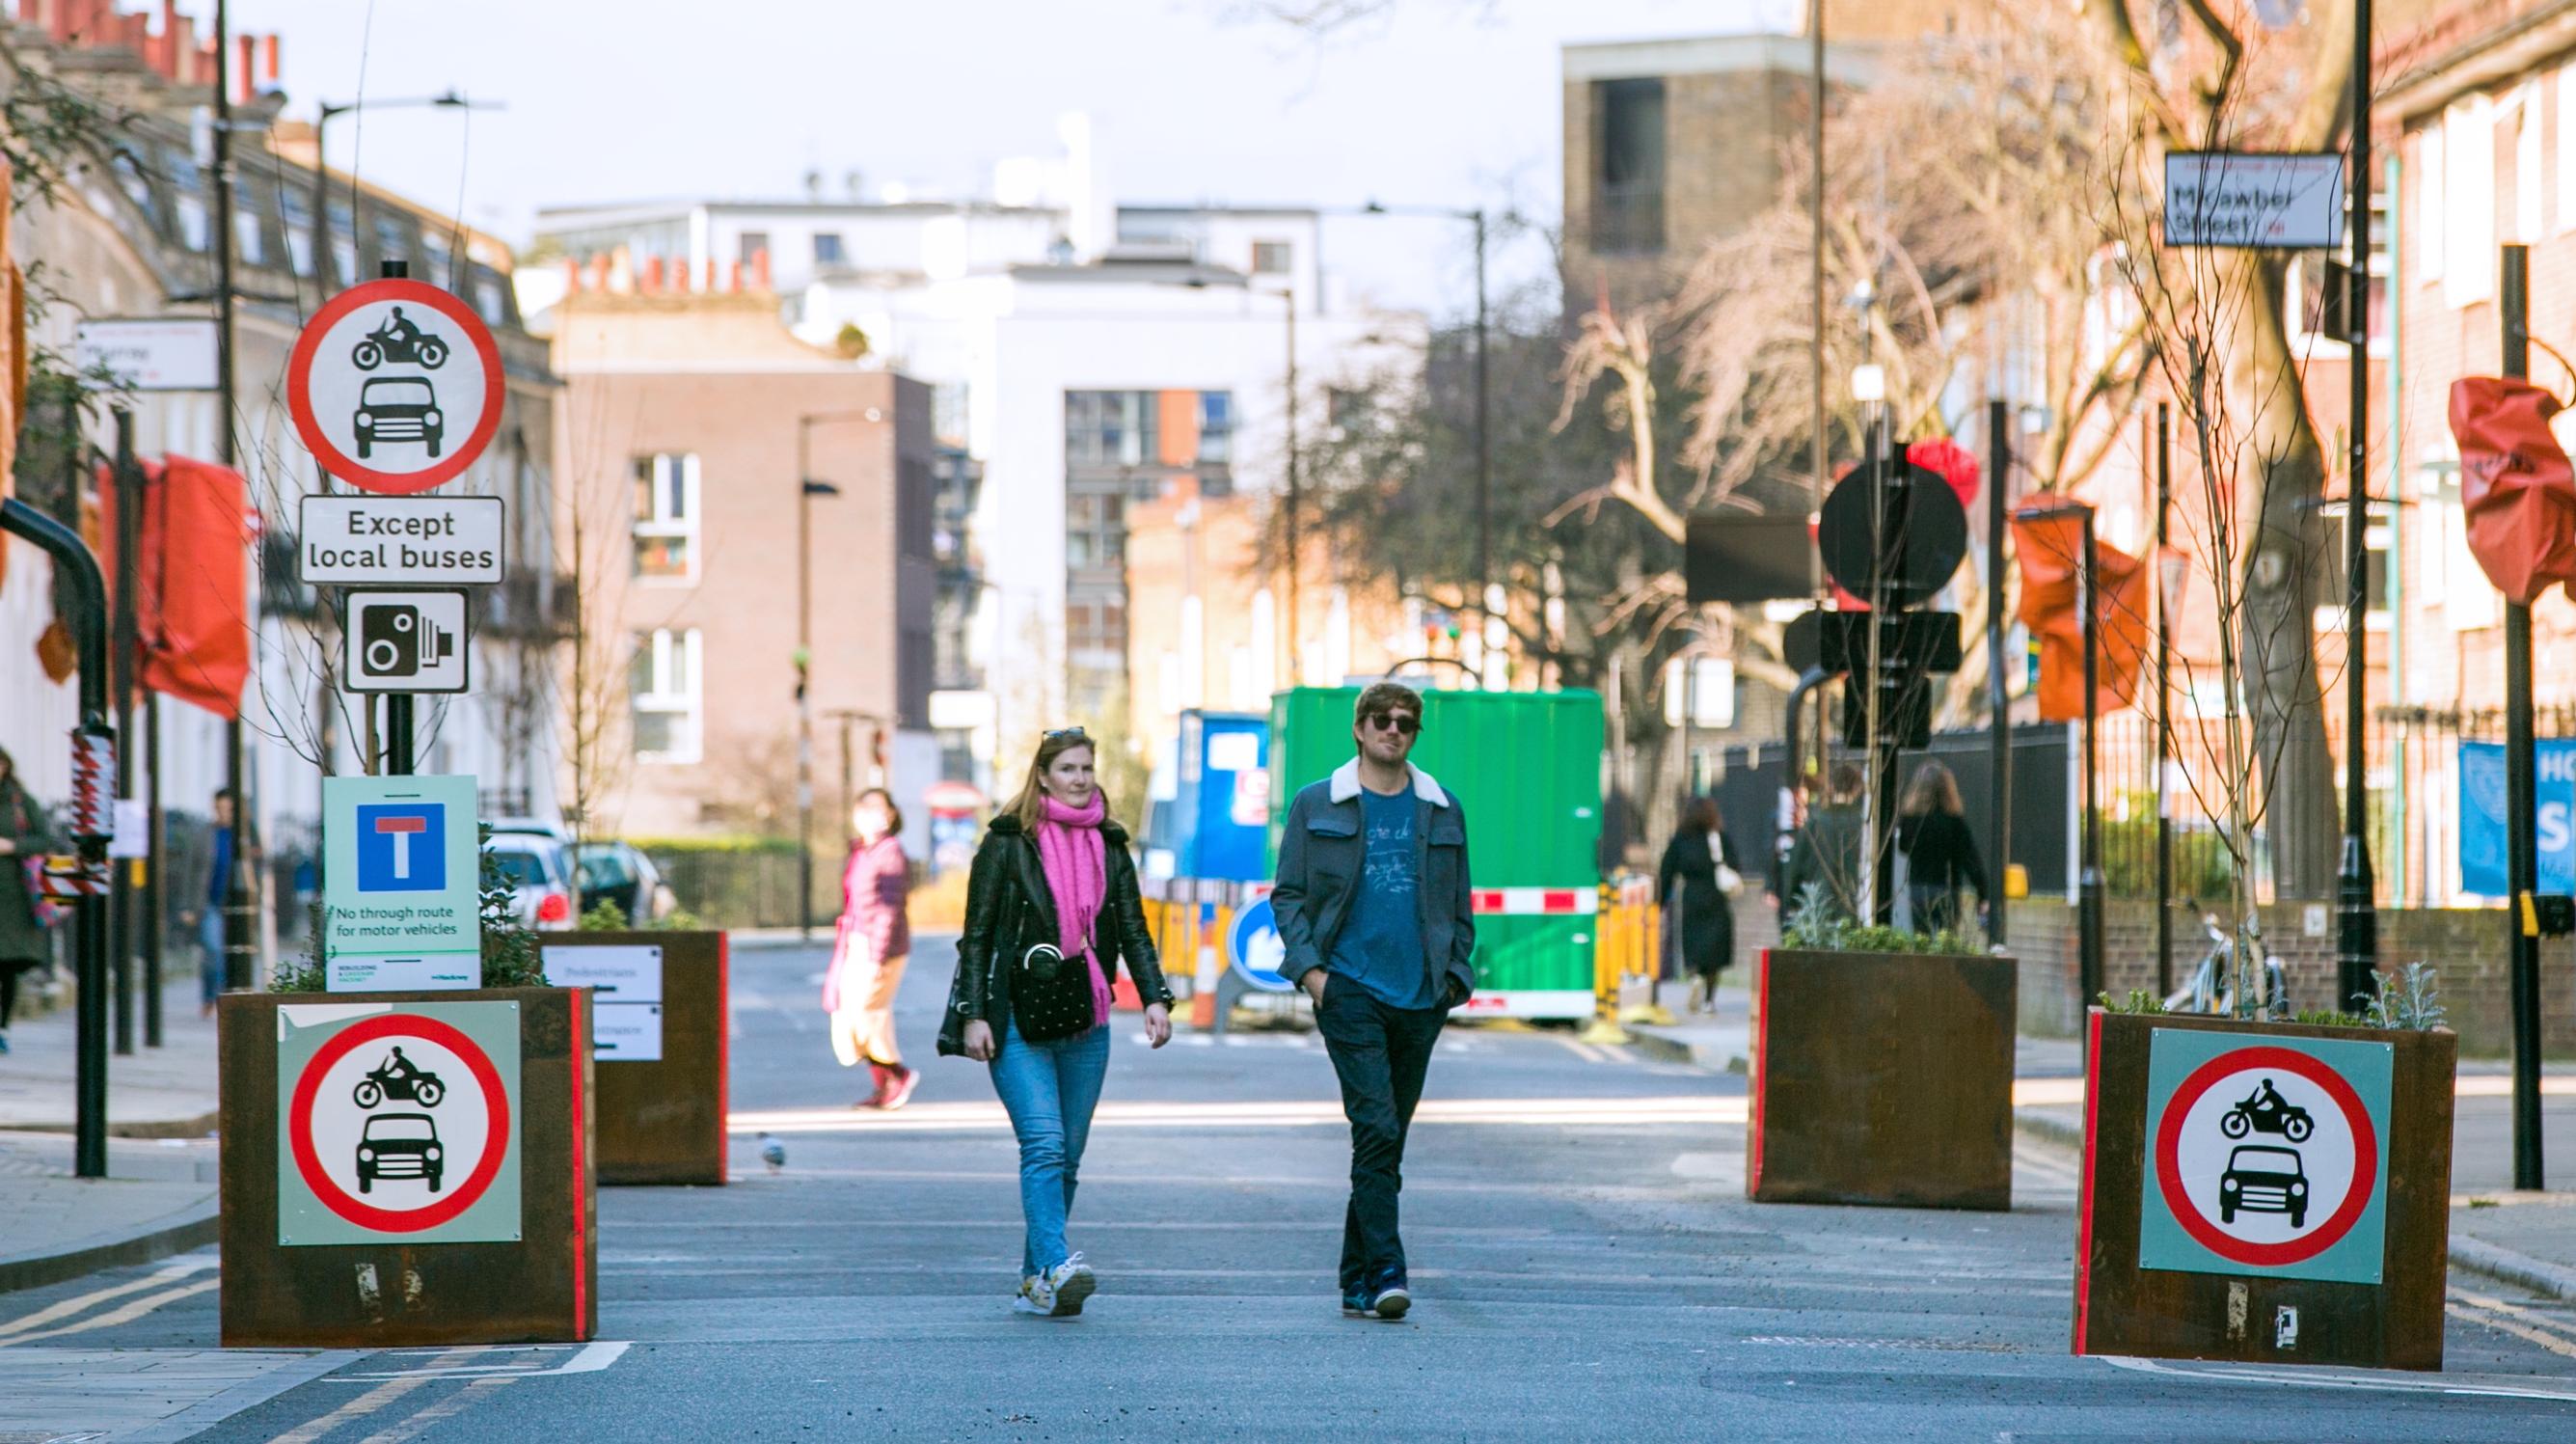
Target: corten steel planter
[663,1120]
[1882,1078]
[2169,1266]
[323,1253]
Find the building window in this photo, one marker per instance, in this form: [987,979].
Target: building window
[295,217]
[665,699]
[1272,258]
[751,247]
[666,518]
[189,185]
[393,240]
[1095,531]
[2566,137]
[250,236]
[2432,184]
[827,248]
[2469,201]
[1108,428]
[1628,166]
[344,243]
[1216,428]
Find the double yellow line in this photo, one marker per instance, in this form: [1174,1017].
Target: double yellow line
[34,1327]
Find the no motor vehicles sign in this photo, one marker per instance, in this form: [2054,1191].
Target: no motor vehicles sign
[398,1121]
[2265,1157]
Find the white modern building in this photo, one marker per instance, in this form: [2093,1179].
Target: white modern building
[1083,357]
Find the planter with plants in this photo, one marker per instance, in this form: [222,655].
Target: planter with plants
[658,1031]
[410,1168]
[2262,1190]
[1882,1067]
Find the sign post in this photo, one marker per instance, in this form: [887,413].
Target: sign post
[396,387]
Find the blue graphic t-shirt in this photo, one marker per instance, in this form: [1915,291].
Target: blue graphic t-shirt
[1380,946]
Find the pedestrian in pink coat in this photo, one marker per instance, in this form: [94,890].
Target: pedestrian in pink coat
[873,943]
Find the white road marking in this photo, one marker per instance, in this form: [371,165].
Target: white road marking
[113,1317]
[2328,1378]
[592,1358]
[68,1307]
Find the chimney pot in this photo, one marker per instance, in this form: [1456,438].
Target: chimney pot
[733,278]
[760,269]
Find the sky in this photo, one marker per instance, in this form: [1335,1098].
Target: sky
[1447,103]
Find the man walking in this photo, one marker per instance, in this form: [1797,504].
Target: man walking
[1373,908]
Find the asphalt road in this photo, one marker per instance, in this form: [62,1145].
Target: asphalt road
[1585,1263]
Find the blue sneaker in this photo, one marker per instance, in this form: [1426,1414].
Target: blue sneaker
[1390,1303]
[1355,1303]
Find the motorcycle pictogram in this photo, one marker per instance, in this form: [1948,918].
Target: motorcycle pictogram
[2266,1111]
[397,1078]
[399,340]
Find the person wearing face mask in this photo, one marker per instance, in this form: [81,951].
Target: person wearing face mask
[1051,906]
[873,943]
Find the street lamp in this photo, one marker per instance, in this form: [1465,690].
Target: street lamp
[806,490]
[323,115]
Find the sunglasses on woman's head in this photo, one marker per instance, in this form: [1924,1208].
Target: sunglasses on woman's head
[1061,733]
[1404,722]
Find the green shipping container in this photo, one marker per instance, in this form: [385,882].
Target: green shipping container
[1527,768]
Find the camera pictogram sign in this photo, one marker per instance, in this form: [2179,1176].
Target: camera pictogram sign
[2266,1158]
[398,1121]
[395,386]
[406,642]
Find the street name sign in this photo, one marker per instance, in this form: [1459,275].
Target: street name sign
[626,991]
[395,386]
[399,894]
[414,541]
[405,642]
[2265,1156]
[398,1122]
[2251,200]
[155,354]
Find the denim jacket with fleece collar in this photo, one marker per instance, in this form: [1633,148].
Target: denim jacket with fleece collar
[1320,856]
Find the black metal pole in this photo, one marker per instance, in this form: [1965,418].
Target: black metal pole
[241,955]
[2522,810]
[156,890]
[2357,945]
[400,759]
[2089,882]
[127,477]
[2164,704]
[1998,690]
[1884,667]
[82,593]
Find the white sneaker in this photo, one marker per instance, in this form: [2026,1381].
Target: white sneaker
[1026,1301]
[1066,1286]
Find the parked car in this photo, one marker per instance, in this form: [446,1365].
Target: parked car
[400,1145]
[618,872]
[540,870]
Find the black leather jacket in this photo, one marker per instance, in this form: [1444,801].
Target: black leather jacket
[1009,910]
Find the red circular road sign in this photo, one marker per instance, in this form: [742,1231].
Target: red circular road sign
[308,1160]
[395,386]
[2356,1197]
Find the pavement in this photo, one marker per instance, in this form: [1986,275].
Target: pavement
[1585,1262]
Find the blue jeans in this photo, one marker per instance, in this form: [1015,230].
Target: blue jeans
[210,963]
[1049,1089]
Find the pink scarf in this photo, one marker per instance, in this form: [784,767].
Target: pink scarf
[1076,859]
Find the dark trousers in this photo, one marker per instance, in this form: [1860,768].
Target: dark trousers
[1381,1054]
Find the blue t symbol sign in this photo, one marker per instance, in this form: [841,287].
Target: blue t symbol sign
[402,848]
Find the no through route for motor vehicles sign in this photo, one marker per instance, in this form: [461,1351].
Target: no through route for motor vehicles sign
[2265,1156]
[398,1121]
[395,386]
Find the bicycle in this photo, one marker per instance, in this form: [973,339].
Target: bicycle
[2212,988]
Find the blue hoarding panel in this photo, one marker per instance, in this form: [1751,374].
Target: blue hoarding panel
[2482,809]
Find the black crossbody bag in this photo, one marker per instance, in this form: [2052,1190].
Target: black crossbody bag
[1051,994]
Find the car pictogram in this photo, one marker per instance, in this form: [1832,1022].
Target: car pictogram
[398,408]
[2264,1179]
[400,1145]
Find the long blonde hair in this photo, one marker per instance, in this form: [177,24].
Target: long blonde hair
[1933,790]
[1029,804]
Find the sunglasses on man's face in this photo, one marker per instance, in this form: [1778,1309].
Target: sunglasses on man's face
[1404,722]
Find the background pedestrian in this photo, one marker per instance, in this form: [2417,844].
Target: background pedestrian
[1051,905]
[870,948]
[1827,852]
[24,840]
[1940,852]
[209,920]
[1696,884]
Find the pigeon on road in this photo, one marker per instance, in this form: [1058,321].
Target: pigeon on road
[773,1152]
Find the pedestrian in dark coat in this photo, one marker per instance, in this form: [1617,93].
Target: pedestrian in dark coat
[1940,852]
[1827,852]
[24,947]
[1699,915]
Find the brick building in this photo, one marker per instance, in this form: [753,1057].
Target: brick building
[686,416]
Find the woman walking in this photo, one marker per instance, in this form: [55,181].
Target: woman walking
[1698,877]
[23,946]
[1051,906]
[873,944]
[1932,830]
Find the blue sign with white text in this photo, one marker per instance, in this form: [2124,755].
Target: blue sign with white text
[402,847]
[2482,810]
